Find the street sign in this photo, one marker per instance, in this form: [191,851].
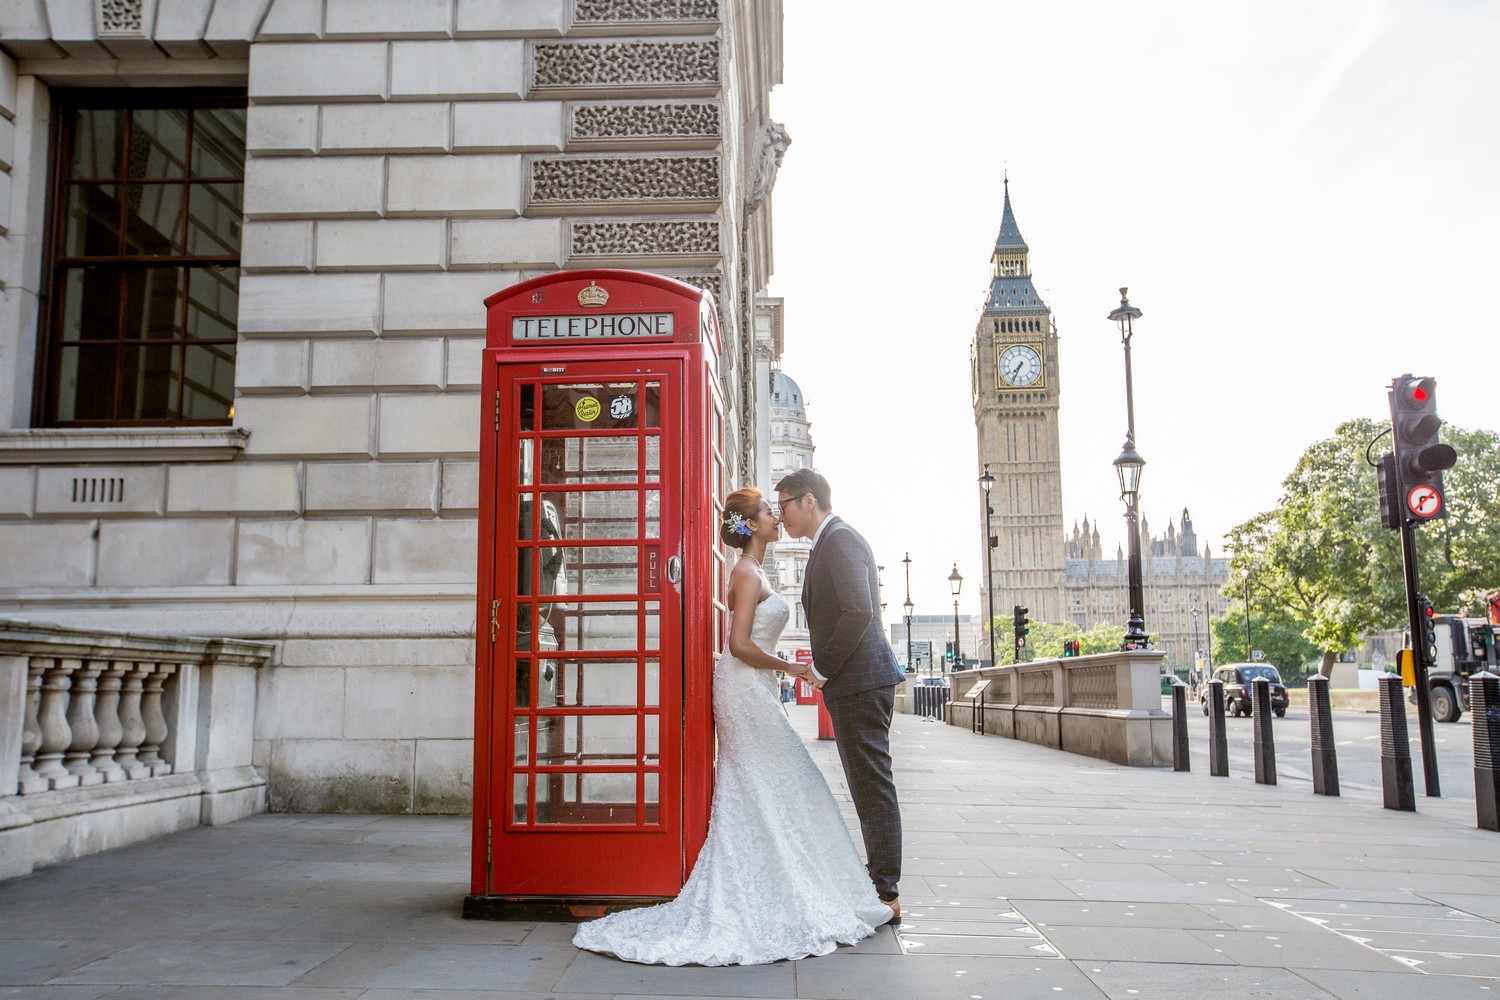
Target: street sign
[803,655]
[1424,501]
[1257,654]
[921,647]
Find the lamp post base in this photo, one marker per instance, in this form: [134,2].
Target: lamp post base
[1135,636]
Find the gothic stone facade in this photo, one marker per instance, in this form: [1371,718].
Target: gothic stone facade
[293,455]
[1176,577]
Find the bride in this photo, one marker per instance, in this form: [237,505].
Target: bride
[778,876]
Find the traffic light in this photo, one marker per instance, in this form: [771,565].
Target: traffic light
[1420,456]
[948,651]
[1425,616]
[1070,647]
[1021,623]
[1390,492]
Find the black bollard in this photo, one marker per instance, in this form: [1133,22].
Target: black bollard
[1218,739]
[1180,760]
[1395,747]
[1263,742]
[1325,761]
[1484,696]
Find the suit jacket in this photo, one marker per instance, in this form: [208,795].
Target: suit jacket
[841,601]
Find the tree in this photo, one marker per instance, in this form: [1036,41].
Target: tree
[1046,639]
[1279,637]
[1322,562]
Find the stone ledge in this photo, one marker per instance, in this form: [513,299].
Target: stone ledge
[57,445]
[271,613]
[18,635]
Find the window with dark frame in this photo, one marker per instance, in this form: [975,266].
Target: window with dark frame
[143,259]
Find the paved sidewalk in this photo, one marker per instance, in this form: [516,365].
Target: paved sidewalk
[1029,873]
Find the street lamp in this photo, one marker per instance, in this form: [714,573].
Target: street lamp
[1128,466]
[908,606]
[955,584]
[1197,650]
[987,483]
[1246,573]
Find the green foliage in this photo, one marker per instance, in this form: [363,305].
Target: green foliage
[1046,639]
[1280,637]
[1321,565]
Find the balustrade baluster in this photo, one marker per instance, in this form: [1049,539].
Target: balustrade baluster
[107,716]
[156,722]
[132,726]
[28,781]
[81,723]
[54,720]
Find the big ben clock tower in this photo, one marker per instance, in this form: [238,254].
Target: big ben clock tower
[1016,382]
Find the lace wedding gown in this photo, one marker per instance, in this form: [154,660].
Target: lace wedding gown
[778,876]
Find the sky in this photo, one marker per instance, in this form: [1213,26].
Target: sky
[1303,199]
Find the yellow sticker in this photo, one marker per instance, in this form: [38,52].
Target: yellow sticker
[587,408]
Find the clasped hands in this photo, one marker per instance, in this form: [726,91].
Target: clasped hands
[804,671]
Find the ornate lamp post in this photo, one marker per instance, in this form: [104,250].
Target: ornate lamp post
[955,584]
[987,483]
[1128,466]
[1198,667]
[1246,573]
[908,606]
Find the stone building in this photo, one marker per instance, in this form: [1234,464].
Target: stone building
[937,631]
[791,449]
[1177,576]
[1017,391]
[243,250]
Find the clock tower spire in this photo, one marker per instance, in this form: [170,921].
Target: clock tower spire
[1015,379]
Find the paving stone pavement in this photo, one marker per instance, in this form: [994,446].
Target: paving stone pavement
[1029,873]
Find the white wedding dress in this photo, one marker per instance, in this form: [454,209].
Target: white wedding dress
[778,876]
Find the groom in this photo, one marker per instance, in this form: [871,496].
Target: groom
[841,602]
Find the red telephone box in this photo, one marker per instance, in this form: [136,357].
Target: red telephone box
[601,593]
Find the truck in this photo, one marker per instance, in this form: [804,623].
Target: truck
[1465,646]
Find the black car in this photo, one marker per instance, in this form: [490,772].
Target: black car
[1238,695]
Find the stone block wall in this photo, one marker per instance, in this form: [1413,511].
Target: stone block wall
[406,158]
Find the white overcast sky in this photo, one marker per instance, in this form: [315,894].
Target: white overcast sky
[1301,197]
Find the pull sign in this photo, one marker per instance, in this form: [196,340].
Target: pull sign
[653,569]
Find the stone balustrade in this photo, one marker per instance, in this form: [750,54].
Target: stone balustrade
[107,738]
[1107,705]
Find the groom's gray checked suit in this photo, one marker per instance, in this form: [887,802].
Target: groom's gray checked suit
[841,601]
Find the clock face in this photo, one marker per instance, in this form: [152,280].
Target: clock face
[1020,365]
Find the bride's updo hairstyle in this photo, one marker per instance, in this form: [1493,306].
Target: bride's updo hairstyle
[739,507]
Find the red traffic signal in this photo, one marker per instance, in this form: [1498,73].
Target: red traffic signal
[1420,457]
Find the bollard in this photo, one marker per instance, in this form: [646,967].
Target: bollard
[825,721]
[1325,761]
[1218,739]
[1263,741]
[1395,747]
[1484,696]
[1180,761]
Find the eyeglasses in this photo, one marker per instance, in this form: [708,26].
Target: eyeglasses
[780,507]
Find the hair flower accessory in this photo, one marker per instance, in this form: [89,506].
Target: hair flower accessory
[737,524]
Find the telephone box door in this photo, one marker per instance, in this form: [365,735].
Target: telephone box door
[587,699]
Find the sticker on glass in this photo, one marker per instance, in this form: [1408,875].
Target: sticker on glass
[621,407]
[587,409]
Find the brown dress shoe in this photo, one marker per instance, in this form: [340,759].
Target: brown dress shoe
[895,904]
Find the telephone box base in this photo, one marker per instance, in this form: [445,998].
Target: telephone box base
[551,908]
